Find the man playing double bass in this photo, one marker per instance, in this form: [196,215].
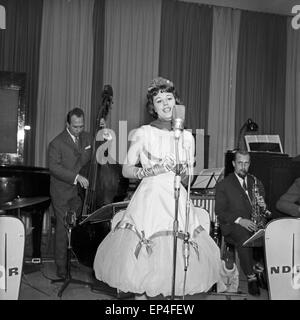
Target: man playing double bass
[68,153]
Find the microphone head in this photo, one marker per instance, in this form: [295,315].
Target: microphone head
[178,112]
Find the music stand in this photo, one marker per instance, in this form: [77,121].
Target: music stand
[264,143]
[256,240]
[207,178]
[105,213]
[70,224]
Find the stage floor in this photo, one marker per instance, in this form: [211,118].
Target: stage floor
[36,285]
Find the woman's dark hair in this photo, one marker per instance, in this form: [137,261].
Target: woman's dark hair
[157,85]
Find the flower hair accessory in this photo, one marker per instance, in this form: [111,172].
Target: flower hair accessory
[160,82]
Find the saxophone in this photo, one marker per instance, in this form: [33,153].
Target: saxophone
[259,215]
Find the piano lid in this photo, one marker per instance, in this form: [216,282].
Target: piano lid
[21,169]
[23,181]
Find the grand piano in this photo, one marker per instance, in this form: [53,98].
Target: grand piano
[22,188]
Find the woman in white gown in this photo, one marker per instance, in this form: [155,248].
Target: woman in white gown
[137,255]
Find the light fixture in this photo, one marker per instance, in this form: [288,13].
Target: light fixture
[248,126]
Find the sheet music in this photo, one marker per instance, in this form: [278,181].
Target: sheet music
[257,235]
[207,178]
[273,139]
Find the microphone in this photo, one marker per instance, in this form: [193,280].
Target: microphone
[177,125]
[186,251]
[178,116]
[70,218]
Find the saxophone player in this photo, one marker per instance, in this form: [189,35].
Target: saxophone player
[234,208]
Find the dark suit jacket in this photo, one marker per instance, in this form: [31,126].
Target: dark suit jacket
[65,162]
[232,201]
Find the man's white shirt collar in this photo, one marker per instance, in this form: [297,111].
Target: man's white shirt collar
[241,180]
[73,137]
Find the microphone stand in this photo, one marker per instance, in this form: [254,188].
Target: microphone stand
[70,222]
[175,224]
[186,244]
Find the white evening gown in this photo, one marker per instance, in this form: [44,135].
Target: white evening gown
[137,255]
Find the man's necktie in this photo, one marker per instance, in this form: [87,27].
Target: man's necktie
[76,141]
[246,189]
[244,185]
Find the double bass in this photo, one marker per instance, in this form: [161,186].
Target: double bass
[106,185]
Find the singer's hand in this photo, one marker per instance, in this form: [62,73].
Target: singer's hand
[182,169]
[169,162]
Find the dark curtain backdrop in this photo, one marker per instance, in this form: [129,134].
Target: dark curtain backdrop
[97,88]
[19,52]
[185,56]
[261,67]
